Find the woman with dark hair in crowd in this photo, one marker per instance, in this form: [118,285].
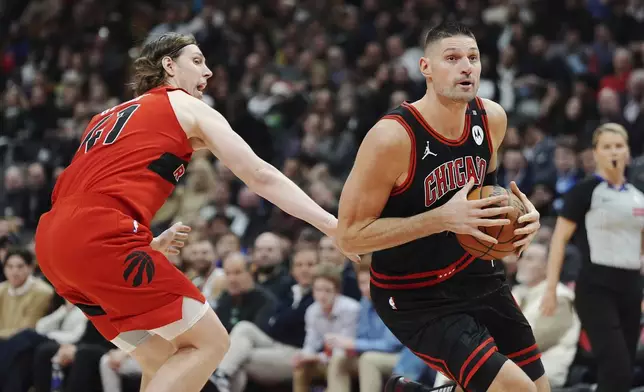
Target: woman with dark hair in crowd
[606,216]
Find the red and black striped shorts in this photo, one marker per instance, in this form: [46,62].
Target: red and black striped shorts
[468,343]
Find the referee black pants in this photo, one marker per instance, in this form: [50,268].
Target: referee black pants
[611,319]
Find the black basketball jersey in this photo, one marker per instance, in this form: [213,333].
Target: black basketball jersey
[439,167]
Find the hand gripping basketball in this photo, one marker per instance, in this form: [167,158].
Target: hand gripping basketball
[463,216]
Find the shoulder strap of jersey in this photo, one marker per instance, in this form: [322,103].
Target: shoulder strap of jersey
[405,119]
[403,116]
[478,118]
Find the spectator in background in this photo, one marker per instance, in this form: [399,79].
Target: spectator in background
[514,167]
[331,313]
[567,170]
[587,161]
[542,198]
[189,198]
[269,264]
[220,205]
[557,335]
[65,325]
[14,192]
[115,364]
[8,238]
[37,200]
[24,299]
[622,67]
[216,282]
[199,260]
[265,352]
[633,113]
[539,151]
[371,355]
[80,361]
[329,253]
[243,300]
[609,109]
[572,256]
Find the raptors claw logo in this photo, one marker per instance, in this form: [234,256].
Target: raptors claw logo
[145,266]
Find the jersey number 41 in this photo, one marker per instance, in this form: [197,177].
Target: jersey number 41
[94,135]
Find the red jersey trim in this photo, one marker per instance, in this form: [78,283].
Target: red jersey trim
[177,124]
[430,278]
[478,365]
[462,375]
[433,132]
[436,364]
[486,127]
[397,190]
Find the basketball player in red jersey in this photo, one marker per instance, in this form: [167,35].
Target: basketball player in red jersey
[95,245]
[404,200]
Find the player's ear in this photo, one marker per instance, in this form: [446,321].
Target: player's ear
[168,65]
[425,67]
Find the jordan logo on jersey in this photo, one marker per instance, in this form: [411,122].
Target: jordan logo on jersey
[453,175]
[179,172]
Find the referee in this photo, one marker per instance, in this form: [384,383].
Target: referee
[606,215]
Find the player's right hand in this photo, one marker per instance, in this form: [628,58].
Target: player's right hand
[463,216]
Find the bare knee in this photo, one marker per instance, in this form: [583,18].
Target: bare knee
[152,354]
[207,335]
[511,378]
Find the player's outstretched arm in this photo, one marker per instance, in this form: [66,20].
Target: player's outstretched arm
[209,127]
[382,163]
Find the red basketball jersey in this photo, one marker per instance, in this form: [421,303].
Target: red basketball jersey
[135,152]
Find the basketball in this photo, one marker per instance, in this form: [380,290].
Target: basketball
[504,234]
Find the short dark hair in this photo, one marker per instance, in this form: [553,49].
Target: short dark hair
[23,253]
[446,30]
[148,69]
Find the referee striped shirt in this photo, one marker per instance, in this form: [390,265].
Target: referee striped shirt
[609,226]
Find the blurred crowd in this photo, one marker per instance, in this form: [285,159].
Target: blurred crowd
[302,82]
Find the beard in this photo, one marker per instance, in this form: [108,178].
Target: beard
[457,95]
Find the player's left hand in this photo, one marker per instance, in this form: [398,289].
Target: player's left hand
[531,219]
[172,240]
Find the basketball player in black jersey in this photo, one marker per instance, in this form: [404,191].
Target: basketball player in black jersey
[404,200]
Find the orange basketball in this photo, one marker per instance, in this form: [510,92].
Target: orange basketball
[504,234]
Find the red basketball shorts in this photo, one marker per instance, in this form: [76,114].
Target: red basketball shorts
[100,259]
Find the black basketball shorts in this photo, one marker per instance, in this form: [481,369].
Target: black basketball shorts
[468,342]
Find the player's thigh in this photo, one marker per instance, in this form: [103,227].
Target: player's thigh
[153,348]
[511,331]
[150,351]
[511,378]
[137,287]
[461,348]
[207,333]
